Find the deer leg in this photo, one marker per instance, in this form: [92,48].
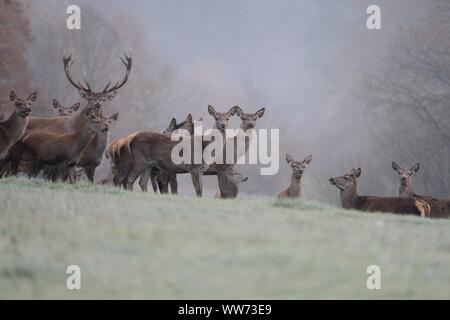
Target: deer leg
[196,176]
[173,183]
[134,174]
[143,179]
[153,179]
[90,172]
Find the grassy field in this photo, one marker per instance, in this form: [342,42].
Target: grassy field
[135,245]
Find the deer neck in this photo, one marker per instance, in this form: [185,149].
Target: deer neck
[349,197]
[405,190]
[228,189]
[80,139]
[295,189]
[16,124]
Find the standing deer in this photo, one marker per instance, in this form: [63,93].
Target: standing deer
[64,150]
[92,155]
[65,111]
[229,178]
[12,129]
[61,125]
[440,208]
[158,178]
[351,200]
[295,190]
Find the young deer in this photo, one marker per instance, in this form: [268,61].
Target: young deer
[12,129]
[65,149]
[351,200]
[295,190]
[229,178]
[92,155]
[221,118]
[64,111]
[440,208]
[158,178]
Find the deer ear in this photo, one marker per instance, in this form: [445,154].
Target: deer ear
[232,111]
[112,95]
[115,116]
[32,97]
[189,118]
[83,94]
[173,123]
[289,158]
[76,106]
[12,96]
[395,166]
[357,172]
[308,159]
[239,111]
[211,110]
[415,168]
[260,112]
[56,104]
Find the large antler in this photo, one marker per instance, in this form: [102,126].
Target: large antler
[127,61]
[67,60]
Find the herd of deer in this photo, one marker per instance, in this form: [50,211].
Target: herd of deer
[61,147]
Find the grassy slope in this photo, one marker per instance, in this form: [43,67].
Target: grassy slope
[134,245]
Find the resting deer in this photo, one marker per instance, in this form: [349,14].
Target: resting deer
[295,190]
[65,111]
[351,200]
[440,208]
[229,178]
[48,148]
[61,125]
[12,129]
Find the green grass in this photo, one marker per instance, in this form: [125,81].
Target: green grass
[135,245]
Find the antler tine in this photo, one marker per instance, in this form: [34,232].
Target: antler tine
[67,61]
[127,62]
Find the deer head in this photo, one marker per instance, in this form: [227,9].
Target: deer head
[65,111]
[298,167]
[23,106]
[96,124]
[221,118]
[405,174]
[188,125]
[97,99]
[248,120]
[347,180]
[235,176]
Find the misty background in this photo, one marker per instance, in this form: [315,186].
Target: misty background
[345,94]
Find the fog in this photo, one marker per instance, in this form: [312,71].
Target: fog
[335,89]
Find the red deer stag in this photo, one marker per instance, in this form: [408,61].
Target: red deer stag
[440,208]
[295,190]
[351,200]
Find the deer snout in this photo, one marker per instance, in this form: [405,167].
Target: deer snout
[244,178]
[332,181]
[222,126]
[25,112]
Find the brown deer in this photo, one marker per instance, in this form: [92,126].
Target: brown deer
[48,148]
[440,208]
[229,178]
[295,190]
[92,155]
[61,125]
[161,179]
[221,118]
[351,200]
[152,149]
[12,129]
[65,111]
